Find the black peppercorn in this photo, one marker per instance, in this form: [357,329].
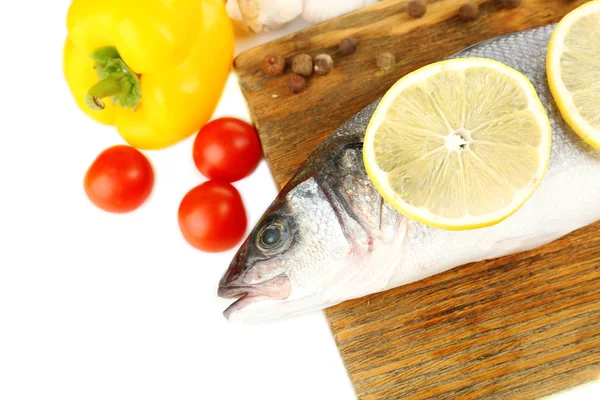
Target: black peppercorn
[302,64]
[511,3]
[301,40]
[348,46]
[416,8]
[323,64]
[385,61]
[273,64]
[469,11]
[296,83]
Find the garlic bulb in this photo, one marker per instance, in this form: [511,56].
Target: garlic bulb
[263,15]
[317,11]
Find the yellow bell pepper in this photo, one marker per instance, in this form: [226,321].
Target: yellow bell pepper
[154,68]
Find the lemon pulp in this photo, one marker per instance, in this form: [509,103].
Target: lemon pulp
[459,144]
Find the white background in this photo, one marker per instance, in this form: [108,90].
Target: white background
[98,306]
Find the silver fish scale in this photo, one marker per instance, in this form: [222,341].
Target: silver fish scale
[347,242]
[526,52]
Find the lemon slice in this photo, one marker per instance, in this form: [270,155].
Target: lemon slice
[459,144]
[573,68]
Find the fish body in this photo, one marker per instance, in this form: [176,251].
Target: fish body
[330,237]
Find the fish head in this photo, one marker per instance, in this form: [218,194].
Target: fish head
[290,260]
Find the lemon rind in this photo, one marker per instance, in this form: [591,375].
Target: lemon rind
[562,96]
[379,178]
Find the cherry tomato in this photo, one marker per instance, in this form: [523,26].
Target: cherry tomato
[119,180]
[227,149]
[212,217]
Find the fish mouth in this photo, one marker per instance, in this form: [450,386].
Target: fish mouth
[277,288]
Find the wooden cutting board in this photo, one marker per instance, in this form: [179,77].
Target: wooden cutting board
[519,327]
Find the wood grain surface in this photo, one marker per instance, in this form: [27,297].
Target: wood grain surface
[519,327]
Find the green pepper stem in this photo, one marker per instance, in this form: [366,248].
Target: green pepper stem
[117,81]
[113,86]
[103,55]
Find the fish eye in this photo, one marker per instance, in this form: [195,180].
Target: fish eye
[272,236]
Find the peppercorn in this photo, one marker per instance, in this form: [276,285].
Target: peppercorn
[323,64]
[302,64]
[416,8]
[348,46]
[296,83]
[469,11]
[301,40]
[273,64]
[511,3]
[385,61]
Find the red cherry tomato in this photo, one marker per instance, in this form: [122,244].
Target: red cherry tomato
[119,180]
[212,217]
[227,149]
